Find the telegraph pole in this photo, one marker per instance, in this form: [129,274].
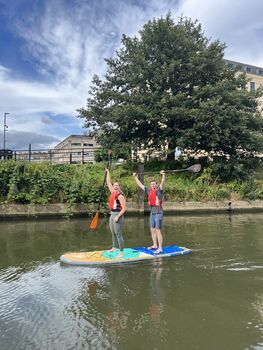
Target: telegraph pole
[5,127]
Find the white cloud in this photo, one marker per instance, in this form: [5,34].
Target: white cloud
[31,96]
[67,46]
[29,102]
[238,23]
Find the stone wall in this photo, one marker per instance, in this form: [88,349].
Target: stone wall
[55,210]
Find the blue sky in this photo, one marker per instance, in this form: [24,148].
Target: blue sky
[50,50]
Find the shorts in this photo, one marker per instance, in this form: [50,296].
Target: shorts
[156,220]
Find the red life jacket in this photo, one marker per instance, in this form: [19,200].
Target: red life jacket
[114,203]
[153,199]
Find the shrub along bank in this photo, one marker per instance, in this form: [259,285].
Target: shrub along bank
[32,183]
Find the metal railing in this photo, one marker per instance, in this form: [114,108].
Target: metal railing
[56,156]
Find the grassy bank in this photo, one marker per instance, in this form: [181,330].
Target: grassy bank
[32,183]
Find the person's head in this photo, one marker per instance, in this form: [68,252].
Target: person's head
[116,186]
[153,184]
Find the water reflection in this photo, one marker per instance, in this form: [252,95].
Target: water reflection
[152,321]
[214,296]
[157,293]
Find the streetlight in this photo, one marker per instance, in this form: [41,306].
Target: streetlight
[5,127]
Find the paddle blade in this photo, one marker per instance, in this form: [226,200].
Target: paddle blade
[195,168]
[94,221]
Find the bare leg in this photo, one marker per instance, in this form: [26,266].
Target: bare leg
[154,239]
[160,241]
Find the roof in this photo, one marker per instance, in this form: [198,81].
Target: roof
[74,136]
[247,68]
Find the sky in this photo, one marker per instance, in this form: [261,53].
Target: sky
[50,50]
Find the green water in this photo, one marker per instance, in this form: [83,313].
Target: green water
[211,299]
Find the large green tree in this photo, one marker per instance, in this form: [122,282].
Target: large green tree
[171,85]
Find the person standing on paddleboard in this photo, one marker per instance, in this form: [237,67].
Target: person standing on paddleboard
[155,197]
[117,204]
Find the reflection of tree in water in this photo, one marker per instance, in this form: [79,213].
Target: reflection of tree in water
[136,306]
[117,315]
[92,287]
[87,310]
[102,308]
[117,320]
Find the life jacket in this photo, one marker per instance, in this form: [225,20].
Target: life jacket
[114,203]
[153,199]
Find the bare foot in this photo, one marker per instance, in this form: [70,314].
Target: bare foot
[111,250]
[158,251]
[120,255]
[152,247]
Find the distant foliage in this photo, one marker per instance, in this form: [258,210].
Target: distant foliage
[45,183]
[31,183]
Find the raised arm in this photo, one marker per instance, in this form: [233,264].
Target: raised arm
[138,182]
[108,180]
[162,180]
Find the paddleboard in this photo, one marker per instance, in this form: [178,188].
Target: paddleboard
[104,257]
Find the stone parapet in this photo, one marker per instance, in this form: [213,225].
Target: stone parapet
[66,210]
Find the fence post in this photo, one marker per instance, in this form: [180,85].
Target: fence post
[82,156]
[29,152]
[50,156]
[15,156]
[140,191]
[70,158]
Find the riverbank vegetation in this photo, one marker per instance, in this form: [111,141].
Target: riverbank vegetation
[44,183]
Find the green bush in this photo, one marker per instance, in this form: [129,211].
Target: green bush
[22,182]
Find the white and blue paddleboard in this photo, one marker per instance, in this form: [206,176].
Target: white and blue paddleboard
[103,257]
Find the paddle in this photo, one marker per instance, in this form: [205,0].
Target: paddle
[194,169]
[95,220]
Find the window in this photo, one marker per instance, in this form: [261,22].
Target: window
[88,144]
[260,72]
[243,86]
[75,144]
[252,86]
[248,69]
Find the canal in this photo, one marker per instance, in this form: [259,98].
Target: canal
[211,299]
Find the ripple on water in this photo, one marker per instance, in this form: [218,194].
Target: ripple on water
[35,301]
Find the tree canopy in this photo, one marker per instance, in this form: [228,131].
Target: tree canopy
[171,86]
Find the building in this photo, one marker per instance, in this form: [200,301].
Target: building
[254,74]
[76,149]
